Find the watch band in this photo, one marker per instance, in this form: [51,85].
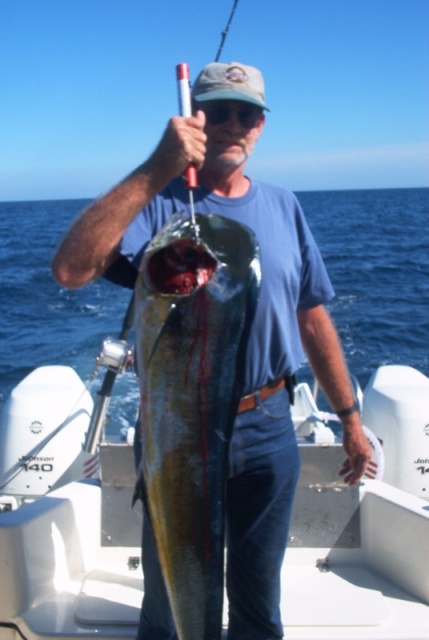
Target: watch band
[348,412]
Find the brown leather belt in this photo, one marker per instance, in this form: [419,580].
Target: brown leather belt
[247,403]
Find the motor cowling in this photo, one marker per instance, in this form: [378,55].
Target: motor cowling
[43,423]
[396,409]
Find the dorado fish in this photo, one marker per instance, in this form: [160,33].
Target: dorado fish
[195,299]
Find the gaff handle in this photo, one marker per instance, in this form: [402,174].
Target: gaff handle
[185,109]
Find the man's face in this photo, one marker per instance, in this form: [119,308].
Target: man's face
[232,128]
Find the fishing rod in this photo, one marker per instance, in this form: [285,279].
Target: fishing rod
[116,356]
[224,33]
[185,108]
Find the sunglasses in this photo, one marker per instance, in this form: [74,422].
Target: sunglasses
[248,115]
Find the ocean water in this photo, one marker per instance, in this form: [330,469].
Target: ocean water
[375,244]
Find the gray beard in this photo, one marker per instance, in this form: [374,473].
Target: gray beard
[221,161]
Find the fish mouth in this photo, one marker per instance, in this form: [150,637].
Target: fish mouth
[180,268]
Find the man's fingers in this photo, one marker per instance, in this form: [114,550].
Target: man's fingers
[353,469]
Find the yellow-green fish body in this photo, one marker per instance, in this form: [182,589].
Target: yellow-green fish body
[195,300]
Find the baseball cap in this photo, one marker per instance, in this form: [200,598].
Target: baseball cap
[232,81]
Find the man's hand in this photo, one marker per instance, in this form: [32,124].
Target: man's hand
[358,451]
[183,143]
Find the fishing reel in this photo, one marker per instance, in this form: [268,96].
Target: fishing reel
[115,355]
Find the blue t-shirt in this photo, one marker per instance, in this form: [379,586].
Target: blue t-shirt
[294,276]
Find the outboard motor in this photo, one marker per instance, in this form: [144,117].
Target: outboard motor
[396,409]
[43,424]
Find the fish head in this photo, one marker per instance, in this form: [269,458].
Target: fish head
[177,262]
[180,267]
[182,258]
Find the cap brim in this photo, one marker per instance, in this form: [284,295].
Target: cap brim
[228,95]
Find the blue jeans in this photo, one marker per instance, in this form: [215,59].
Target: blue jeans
[264,466]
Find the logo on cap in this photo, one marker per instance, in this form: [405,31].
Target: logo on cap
[235,74]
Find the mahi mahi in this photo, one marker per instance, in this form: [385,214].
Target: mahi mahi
[195,300]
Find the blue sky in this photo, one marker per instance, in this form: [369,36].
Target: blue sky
[87,87]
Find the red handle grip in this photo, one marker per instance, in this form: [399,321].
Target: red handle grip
[190,175]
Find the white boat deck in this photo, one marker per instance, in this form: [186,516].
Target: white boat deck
[371,582]
[348,602]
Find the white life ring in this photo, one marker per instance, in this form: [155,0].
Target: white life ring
[375,468]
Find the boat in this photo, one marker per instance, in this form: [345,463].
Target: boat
[357,564]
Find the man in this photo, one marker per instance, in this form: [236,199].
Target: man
[229,116]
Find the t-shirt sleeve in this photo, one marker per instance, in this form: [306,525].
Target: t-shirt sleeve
[135,240]
[316,287]
[123,271]
[147,224]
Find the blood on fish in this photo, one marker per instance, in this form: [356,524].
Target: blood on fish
[181,267]
[204,369]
